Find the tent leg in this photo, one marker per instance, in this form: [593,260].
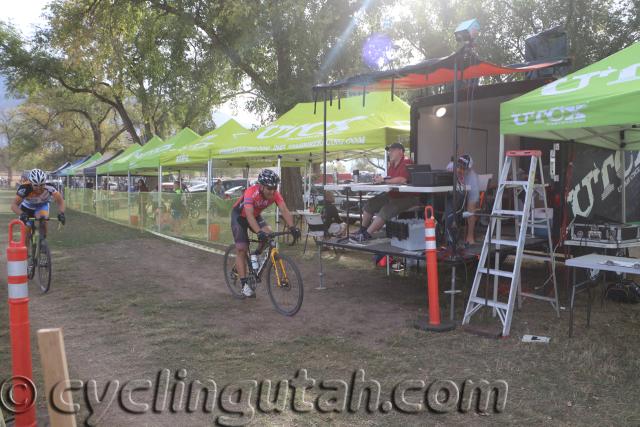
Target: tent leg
[277,209]
[206,233]
[159,189]
[129,195]
[624,173]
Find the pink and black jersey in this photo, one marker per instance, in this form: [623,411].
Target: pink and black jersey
[253,197]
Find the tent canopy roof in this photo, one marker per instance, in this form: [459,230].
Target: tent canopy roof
[198,152]
[149,156]
[118,165]
[74,169]
[597,105]
[431,72]
[353,129]
[90,169]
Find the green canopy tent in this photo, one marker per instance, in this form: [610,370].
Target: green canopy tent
[597,105]
[199,151]
[297,136]
[119,166]
[76,169]
[148,158]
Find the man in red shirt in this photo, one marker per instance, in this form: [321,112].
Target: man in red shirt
[388,205]
[246,214]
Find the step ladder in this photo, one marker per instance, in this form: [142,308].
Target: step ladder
[525,226]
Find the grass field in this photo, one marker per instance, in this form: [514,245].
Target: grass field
[131,305]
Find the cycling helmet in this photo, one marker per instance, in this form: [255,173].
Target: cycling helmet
[269,178]
[465,161]
[37,177]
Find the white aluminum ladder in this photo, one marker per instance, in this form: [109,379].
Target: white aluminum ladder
[524,220]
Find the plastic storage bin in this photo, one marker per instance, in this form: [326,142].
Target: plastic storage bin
[407,234]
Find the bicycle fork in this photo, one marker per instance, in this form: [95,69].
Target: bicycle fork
[279,265]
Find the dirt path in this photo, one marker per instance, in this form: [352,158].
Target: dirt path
[132,305]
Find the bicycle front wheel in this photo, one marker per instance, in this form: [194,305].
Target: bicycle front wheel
[44,267]
[230,275]
[284,283]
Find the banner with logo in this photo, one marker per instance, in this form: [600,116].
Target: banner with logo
[589,106]
[595,191]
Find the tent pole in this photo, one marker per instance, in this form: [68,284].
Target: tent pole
[308,190]
[208,193]
[129,193]
[454,223]
[324,140]
[278,209]
[159,189]
[500,155]
[386,162]
[624,180]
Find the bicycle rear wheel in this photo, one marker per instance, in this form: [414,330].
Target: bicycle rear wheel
[284,283]
[231,277]
[44,267]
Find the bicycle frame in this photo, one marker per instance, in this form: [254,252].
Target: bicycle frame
[281,272]
[34,231]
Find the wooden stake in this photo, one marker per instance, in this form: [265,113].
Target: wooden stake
[55,370]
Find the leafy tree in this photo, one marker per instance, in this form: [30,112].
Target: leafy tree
[153,71]
[283,47]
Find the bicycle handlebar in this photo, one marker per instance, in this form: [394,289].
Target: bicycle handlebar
[271,236]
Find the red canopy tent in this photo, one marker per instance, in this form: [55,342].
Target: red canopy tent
[434,72]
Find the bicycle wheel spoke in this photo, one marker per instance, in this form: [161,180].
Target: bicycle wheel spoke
[285,286]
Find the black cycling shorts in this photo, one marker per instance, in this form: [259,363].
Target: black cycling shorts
[240,227]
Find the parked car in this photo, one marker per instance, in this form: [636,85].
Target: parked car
[228,184]
[234,192]
[197,188]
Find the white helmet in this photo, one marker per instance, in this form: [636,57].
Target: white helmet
[37,177]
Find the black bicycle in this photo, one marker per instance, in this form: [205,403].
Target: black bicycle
[38,254]
[284,281]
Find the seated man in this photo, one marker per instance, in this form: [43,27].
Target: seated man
[331,216]
[469,178]
[388,205]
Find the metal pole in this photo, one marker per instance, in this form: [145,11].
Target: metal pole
[386,162]
[324,141]
[160,189]
[277,209]
[454,222]
[624,183]
[208,194]
[129,193]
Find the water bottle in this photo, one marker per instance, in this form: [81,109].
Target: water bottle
[254,262]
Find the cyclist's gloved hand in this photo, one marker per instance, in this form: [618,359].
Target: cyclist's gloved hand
[295,232]
[24,217]
[62,218]
[262,235]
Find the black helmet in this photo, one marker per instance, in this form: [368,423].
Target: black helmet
[268,178]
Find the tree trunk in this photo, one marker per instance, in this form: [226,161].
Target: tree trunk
[291,188]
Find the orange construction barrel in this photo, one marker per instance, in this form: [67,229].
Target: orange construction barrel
[214,232]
